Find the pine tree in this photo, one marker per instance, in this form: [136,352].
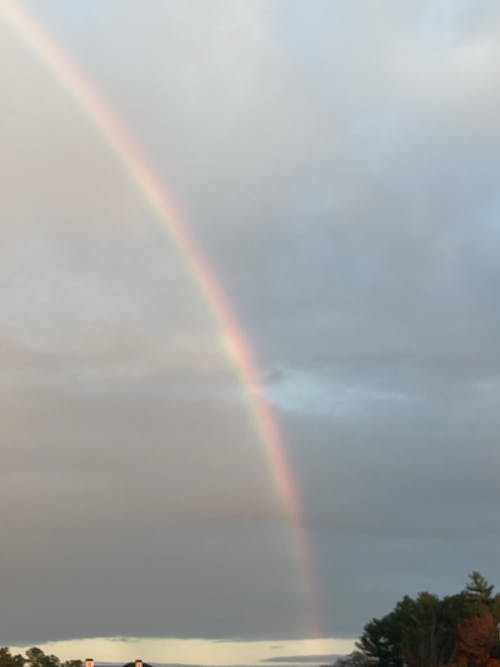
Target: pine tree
[478,591]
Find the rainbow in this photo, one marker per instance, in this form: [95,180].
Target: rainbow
[235,341]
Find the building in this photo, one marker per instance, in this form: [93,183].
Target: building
[89,662]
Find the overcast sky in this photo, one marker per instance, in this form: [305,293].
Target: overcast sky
[338,161]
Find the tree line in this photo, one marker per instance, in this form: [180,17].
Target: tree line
[34,657]
[460,630]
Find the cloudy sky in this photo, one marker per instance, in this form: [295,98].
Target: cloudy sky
[338,162]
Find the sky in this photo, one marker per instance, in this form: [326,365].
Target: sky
[337,162]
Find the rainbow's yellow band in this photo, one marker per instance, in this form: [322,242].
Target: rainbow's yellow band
[236,343]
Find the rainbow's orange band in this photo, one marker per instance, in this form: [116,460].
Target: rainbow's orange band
[235,341]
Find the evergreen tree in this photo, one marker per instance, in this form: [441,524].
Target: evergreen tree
[478,591]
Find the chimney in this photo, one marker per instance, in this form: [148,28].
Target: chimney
[89,662]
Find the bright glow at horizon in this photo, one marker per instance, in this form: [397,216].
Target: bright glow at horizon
[192,651]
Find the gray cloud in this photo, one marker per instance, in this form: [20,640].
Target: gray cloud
[339,164]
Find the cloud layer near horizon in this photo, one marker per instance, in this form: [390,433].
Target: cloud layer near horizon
[339,163]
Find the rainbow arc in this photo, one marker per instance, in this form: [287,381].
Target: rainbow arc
[236,343]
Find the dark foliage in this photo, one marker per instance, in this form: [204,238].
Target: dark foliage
[457,631]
